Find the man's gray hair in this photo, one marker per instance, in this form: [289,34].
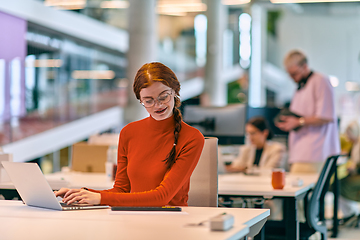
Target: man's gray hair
[295,57]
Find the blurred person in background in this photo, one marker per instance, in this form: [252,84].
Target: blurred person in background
[261,152]
[350,185]
[260,155]
[313,126]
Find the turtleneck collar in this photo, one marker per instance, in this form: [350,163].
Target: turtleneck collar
[162,125]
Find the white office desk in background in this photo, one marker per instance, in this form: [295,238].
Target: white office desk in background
[18,221]
[241,185]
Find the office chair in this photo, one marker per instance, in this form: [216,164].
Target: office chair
[204,180]
[313,201]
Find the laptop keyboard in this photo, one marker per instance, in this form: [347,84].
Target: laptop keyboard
[74,204]
[65,204]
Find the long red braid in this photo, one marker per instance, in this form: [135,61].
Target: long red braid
[158,72]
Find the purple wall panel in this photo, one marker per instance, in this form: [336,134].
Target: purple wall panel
[13,45]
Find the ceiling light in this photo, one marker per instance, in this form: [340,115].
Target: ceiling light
[93,74]
[114,4]
[180,8]
[49,63]
[234,2]
[334,81]
[164,2]
[352,86]
[310,1]
[66,4]
[176,14]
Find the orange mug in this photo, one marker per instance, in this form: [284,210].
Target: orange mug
[278,178]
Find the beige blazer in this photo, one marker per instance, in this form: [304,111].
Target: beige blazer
[273,156]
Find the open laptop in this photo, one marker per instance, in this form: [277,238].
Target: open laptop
[35,191]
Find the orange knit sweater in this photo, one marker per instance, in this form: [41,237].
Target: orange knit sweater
[142,178]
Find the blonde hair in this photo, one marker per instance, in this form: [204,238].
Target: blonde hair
[295,57]
[353,130]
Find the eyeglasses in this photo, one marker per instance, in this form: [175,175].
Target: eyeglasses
[252,133]
[163,98]
[296,72]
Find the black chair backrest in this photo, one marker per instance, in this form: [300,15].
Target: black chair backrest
[318,193]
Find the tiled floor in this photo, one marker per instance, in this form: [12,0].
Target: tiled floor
[348,234]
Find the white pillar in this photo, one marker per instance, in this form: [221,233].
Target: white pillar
[142,49]
[215,88]
[257,86]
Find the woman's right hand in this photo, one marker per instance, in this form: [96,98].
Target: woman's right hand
[61,193]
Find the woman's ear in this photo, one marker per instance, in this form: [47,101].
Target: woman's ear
[266,133]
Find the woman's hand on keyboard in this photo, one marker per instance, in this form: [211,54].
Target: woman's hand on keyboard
[61,192]
[79,196]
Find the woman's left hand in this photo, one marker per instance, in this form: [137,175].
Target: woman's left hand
[82,196]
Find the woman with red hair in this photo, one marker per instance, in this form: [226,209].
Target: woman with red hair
[156,155]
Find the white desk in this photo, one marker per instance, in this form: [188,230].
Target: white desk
[18,221]
[241,185]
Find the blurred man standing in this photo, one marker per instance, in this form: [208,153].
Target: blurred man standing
[313,136]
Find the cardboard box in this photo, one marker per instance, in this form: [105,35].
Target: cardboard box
[89,157]
[104,139]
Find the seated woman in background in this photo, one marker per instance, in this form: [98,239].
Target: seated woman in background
[261,152]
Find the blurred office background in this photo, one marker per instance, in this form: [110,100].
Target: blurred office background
[66,66]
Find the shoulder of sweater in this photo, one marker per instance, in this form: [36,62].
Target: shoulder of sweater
[191,131]
[133,125]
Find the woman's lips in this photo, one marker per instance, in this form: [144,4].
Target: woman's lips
[160,111]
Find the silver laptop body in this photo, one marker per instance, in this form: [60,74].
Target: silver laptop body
[34,190]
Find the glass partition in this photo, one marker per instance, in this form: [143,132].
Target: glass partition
[65,79]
